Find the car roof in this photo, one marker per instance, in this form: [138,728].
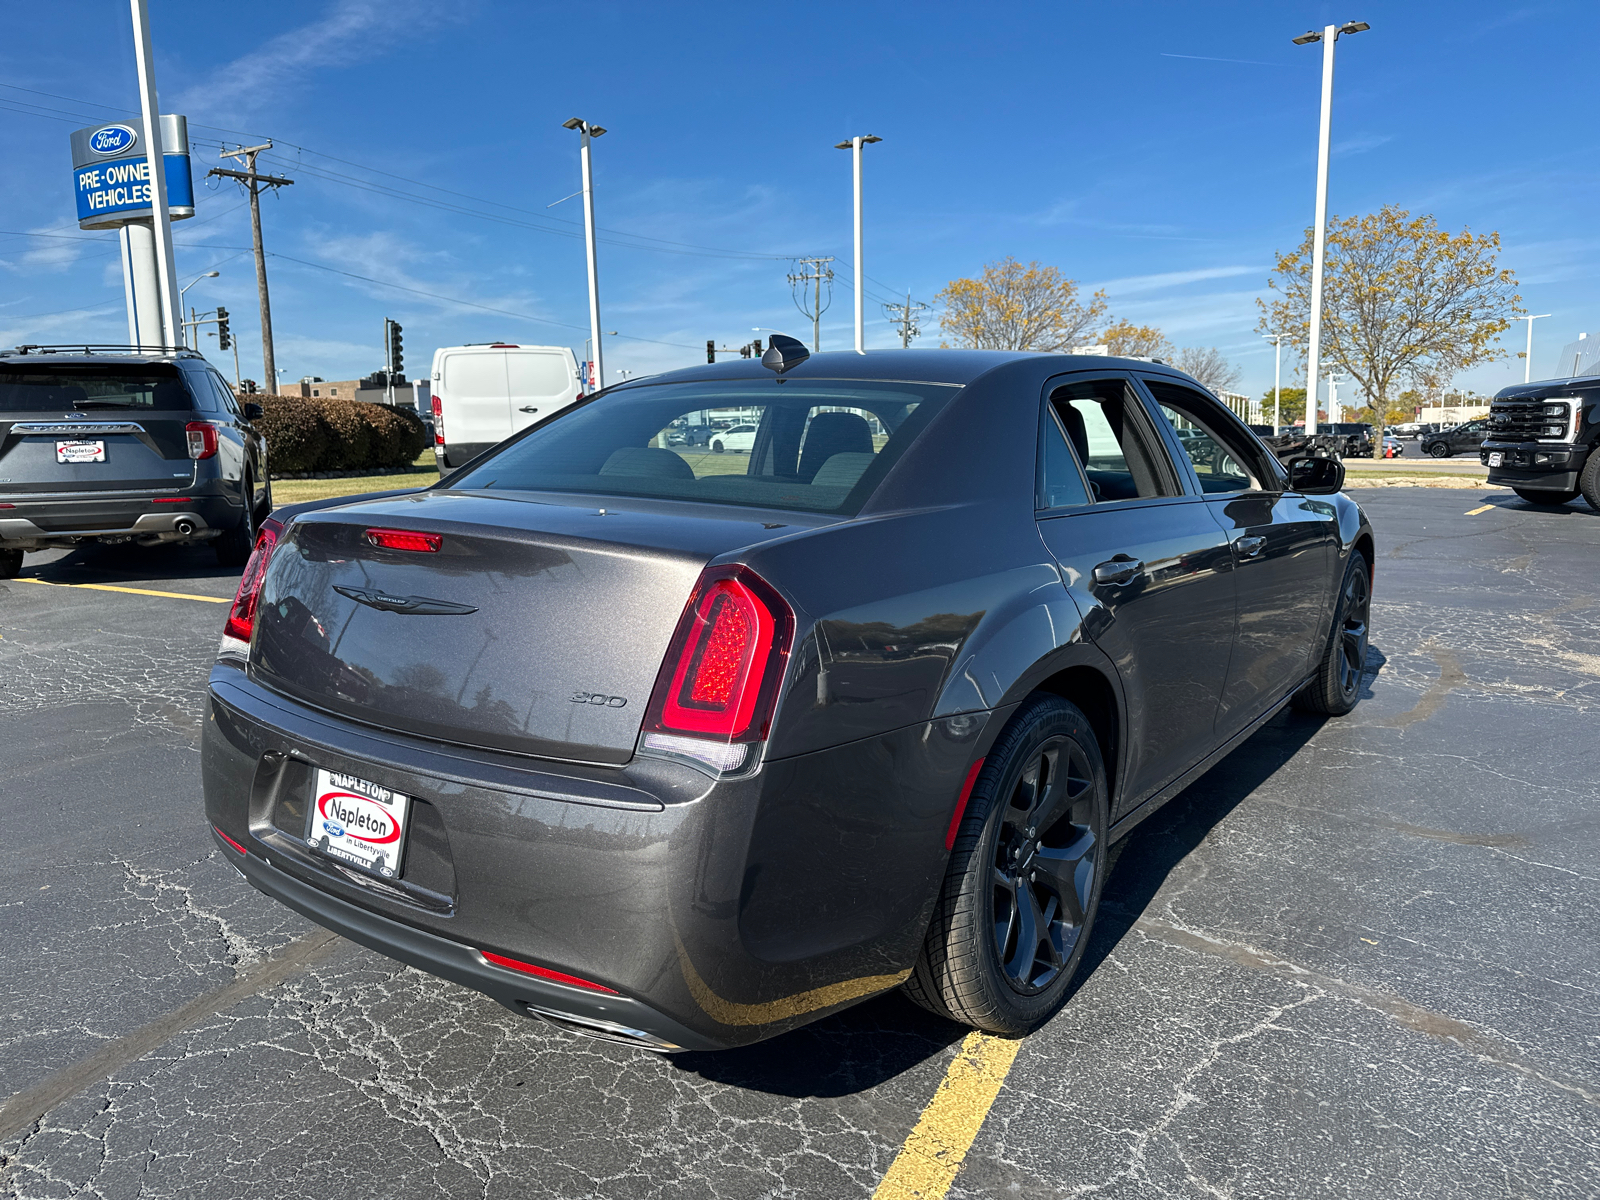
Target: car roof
[903,366]
[81,353]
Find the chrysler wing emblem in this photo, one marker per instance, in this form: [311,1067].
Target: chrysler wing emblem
[417,606]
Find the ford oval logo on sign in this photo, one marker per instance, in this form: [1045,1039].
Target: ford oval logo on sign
[113,139]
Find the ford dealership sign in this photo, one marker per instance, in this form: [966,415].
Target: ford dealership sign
[111,173]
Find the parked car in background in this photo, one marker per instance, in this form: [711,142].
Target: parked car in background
[1393,447]
[685,758]
[1356,437]
[1544,441]
[484,394]
[115,444]
[1464,437]
[735,437]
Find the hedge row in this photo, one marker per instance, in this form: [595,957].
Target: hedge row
[338,435]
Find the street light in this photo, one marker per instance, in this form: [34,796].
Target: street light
[590,132]
[1277,376]
[1328,36]
[1527,365]
[191,323]
[855,144]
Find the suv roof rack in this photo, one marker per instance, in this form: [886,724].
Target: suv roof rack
[100,348]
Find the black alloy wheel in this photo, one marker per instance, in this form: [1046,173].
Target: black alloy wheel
[1043,869]
[1439,450]
[1336,687]
[1017,906]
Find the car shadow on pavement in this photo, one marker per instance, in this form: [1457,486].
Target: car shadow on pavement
[1142,861]
[127,564]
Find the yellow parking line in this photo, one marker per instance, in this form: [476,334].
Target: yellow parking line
[109,587]
[1472,512]
[927,1164]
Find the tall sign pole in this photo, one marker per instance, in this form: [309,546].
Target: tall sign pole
[166,268]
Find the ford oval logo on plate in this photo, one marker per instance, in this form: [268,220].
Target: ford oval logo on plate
[113,139]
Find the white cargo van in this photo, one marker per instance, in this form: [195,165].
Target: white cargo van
[484,394]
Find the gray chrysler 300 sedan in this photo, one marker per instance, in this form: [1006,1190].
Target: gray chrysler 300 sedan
[686,749]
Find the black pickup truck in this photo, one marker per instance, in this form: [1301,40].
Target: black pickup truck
[1542,440]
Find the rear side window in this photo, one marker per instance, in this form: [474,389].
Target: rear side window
[813,445]
[39,387]
[1103,422]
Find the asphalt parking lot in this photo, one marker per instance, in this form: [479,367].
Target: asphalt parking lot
[1359,958]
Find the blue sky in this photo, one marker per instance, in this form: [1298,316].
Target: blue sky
[1161,151]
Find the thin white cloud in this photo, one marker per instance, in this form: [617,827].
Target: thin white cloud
[349,29]
[1135,284]
[1361,143]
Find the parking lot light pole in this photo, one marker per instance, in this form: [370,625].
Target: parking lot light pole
[590,132]
[1328,36]
[1277,376]
[191,323]
[1527,362]
[855,144]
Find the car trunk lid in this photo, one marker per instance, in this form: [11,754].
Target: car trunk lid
[97,451]
[534,627]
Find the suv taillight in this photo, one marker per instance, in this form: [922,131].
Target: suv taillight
[720,679]
[242,616]
[438,422]
[202,439]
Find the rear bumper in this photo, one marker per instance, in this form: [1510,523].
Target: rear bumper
[719,912]
[32,522]
[1537,466]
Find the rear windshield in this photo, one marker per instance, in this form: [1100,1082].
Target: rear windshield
[806,445]
[38,387]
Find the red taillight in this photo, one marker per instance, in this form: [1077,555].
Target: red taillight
[202,438]
[438,422]
[405,539]
[242,616]
[500,960]
[721,674]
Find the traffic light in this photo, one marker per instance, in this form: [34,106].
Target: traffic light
[396,358]
[711,351]
[224,338]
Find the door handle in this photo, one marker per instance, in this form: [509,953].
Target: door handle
[528,408]
[1249,547]
[1120,569]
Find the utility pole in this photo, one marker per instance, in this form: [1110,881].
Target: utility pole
[254,182]
[813,272]
[905,317]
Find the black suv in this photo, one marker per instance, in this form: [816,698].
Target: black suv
[1449,442]
[118,444]
[1543,440]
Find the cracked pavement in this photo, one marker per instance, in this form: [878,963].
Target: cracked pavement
[1358,958]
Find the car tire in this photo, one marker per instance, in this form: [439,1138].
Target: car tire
[1544,499]
[976,965]
[717,446]
[1336,687]
[10,563]
[1439,450]
[233,547]
[1589,480]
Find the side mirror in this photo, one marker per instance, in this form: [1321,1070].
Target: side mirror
[1316,476]
[253,411]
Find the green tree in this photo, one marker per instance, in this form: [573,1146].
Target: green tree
[1402,300]
[1010,306]
[1292,405]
